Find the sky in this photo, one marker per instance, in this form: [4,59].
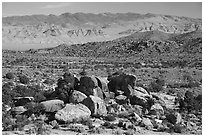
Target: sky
[187,9]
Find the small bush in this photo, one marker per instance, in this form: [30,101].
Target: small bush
[10,75]
[49,81]
[24,79]
[157,85]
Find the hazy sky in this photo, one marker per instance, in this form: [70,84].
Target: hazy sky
[188,9]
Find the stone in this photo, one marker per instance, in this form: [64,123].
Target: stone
[140,89]
[52,105]
[96,105]
[109,95]
[77,97]
[54,124]
[121,99]
[138,118]
[146,122]
[73,112]
[138,109]
[174,118]
[157,110]
[139,98]
[98,92]
[18,110]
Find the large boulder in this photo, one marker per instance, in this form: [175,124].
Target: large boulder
[121,82]
[52,105]
[73,112]
[87,84]
[140,98]
[77,97]
[96,105]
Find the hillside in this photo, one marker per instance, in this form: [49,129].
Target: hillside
[79,28]
[151,46]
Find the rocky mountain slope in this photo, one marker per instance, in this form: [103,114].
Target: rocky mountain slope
[80,28]
[151,44]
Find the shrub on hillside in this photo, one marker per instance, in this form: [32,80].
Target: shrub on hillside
[156,85]
[49,81]
[10,75]
[24,79]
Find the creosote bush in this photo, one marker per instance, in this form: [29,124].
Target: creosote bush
[156,85]
[10,75]
[24,79]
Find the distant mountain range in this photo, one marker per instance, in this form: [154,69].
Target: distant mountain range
[80,28]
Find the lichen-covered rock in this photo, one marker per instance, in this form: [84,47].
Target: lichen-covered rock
[96,105]
[77,97]
[52,105]
[73,112]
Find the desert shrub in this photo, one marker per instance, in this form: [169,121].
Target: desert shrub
[24,79]
[39,97]
[39,128]
[7,120]
[156,85]
[10,75]
[23,91]
[21,121]
[110,117]
[7,94]
[34,108]
[49,81]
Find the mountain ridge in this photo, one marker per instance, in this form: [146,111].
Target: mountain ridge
[79,28]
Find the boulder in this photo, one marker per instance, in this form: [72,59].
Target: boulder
[98,92]
[141,89]
[121,82]
[77,97]
[96,105]
[52,105]
[174,118]
[102,83]
[87,84]
[146,122]
[73,112]
[18,110]
[139,98]
[157,109]
[121,99]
